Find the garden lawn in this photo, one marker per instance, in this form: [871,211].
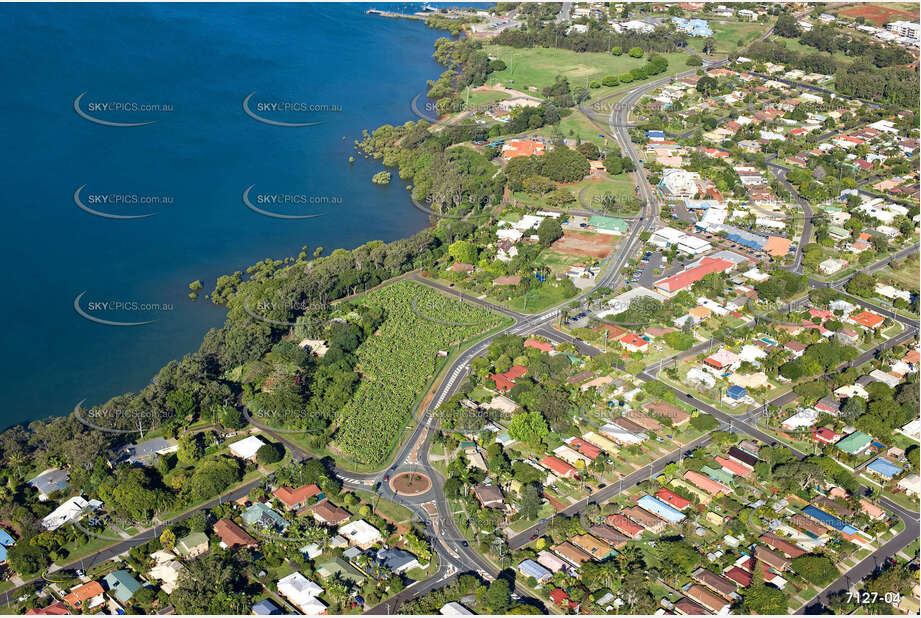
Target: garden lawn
[727,34]
[539,66]
[390,510]
[906,276]
[535,301]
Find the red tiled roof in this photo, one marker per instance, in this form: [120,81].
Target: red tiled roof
[672,499]
[739,576]
[781,545]
[826,435]
[589,450]
[707,484]
[502,383]
[692,275]
[625,525]
[233,535]
[522,148]
[293,497]
[868,319]
[633,340]
[55,609]
[516,372]
[557,595]
[79,595]
[557,466]
[539,345]
[733,466]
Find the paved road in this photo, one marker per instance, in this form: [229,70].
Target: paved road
[140,538]
[806,235]
[440,528]
[868,565]
[603,495]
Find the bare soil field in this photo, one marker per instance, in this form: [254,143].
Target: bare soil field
[877,13]
[594,245]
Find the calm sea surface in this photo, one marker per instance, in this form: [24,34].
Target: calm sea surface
[188,67]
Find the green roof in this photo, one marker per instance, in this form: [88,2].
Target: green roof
[192,540]
[263,515]
[342,568]
[609,223]
[122,585]
[839,231]
[718,473]
[855,442]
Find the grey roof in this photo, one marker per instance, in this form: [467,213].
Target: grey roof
[266,608]
[351,552]
[145,451]
[50,481]
[394,558]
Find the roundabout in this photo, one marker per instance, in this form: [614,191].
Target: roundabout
[410,484]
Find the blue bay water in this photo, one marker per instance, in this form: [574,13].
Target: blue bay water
[202,60]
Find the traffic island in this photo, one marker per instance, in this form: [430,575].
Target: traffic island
[410,484]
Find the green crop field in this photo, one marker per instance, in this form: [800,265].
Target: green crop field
[397,362]
[539,66]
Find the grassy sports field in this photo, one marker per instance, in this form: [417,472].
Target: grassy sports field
[539,66]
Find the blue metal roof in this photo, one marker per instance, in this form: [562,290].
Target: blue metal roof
[884,467]
[532,569]
[5,539]
[654,505]
[736,392]
[829,520]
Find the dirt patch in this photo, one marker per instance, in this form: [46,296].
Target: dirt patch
[877,13]
[410,483]
[590,245]
[556,504]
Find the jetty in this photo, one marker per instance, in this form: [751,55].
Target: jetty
[427,12]
[418,16]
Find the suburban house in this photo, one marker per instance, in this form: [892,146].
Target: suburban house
[246,448]
[302,593]
[329,514]
[232,535]
[50,481]
[122,585]
[88,595]
[490,496]
[192,545]
[361,534]
[294,499]
[559,467]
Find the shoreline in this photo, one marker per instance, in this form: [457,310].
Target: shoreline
[199,338]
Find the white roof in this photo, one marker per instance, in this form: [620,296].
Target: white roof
[247,447]
[912,482]
[302,592]
[803,418]
[694,242]
[620,434]
[751,353]
[912,429]
[696,374]
[756,275]
[886,378]
[360,532]
[68,512]
[670,234]
[454,609]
